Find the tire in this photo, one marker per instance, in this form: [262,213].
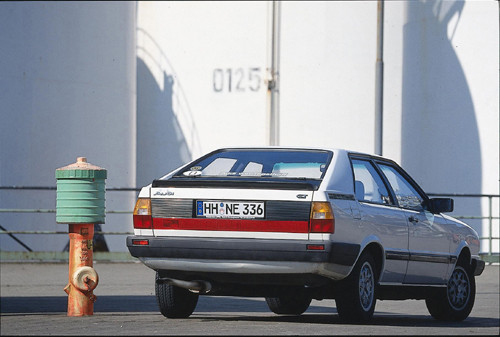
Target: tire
[357,296]
[288,305]
[456,301]
[175,302]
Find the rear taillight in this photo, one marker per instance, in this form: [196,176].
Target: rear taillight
[142,214]
[315,247]
[321,219]
[140,242]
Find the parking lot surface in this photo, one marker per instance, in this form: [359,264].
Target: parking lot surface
[32,302]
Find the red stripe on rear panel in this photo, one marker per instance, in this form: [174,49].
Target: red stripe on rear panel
[237,225]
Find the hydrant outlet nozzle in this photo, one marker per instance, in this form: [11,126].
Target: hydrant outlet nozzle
[85,279]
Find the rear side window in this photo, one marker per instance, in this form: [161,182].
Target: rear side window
[368,185]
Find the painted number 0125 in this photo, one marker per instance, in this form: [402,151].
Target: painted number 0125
[236,79]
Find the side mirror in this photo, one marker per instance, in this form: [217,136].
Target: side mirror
[440,205]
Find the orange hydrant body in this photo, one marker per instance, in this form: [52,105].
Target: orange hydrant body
[82,277]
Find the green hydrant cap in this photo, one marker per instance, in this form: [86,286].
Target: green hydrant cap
[80,193]
[81,169]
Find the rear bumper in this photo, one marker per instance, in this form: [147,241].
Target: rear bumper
[259,250]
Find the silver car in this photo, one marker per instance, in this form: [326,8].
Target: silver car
[296,224]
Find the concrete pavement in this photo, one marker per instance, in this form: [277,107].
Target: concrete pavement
[33,303]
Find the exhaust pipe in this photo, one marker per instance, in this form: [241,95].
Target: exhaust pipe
[196,286]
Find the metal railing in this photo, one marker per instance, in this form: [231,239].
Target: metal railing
[31,255]
[490,256]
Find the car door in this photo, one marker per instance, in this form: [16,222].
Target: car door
[381,219]
[428,241]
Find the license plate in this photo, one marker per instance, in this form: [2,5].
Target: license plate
[230,209]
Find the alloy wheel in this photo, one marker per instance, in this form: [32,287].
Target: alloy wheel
[366,286]
[458,288]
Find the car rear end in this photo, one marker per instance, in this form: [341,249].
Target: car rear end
[238,217]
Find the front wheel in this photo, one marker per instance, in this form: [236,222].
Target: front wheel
[456,301]
[175,302]
[356,299]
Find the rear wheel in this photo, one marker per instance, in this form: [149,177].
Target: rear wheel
[294,305]
[175,302]
[356,298]
[456,301]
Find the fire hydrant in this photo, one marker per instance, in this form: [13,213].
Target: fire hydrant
[80,204]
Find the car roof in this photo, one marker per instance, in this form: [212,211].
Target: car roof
[278,147]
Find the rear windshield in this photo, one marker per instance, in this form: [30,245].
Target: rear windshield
[268,163]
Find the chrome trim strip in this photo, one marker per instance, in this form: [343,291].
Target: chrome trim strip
[392,284]
[396,255]
[420,257]
[430,257]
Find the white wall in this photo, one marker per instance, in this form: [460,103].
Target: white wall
[67,87]
[328,74]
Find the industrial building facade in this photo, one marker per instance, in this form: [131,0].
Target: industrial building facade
[140,88]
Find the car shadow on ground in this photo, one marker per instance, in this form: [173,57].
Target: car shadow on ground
[222,309]
[127,303]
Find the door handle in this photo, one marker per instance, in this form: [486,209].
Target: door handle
[413,219]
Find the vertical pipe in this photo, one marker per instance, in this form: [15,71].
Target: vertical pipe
[379,79]
[490,220]
[491,198]
[273,82]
